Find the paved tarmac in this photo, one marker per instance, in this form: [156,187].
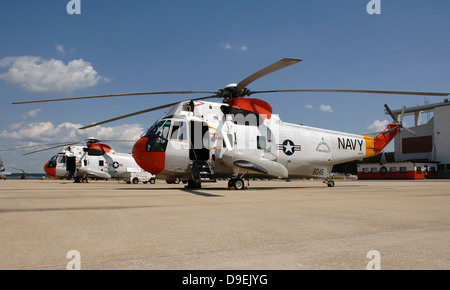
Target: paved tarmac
[272,225]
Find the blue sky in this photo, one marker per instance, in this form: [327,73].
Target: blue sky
[137,46]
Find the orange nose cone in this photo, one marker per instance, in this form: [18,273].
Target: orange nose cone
[152,162]
[50,171]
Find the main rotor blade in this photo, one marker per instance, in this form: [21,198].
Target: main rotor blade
[116,95]
[267,70]
[59,146]
[143,111]
[118,140]
[32,146]
[355,91]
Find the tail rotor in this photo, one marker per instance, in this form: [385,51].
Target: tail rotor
[399,123]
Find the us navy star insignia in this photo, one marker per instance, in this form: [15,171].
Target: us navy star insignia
[289,147]
[116,164]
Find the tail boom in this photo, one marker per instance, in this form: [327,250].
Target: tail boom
[374,145]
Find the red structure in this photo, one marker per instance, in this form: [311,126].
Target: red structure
[398,170]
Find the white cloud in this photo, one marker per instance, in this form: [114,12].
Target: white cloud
[41,76]
[26,134]
[378,126]
[60,49]
[228,46]
[309,106]
[31,114]
[326,108]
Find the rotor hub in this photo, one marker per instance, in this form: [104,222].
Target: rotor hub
[233,91]
[92,140]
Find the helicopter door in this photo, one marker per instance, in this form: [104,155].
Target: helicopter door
[199,141]
[177,156]
[70,164]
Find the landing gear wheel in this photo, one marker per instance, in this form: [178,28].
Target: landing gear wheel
[239,184]
[84,180]
[236,183]
[173,181]
[152,181]
[330,183]
[135,180]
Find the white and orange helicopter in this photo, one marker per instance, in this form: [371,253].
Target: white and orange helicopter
[198,141]
[94,160]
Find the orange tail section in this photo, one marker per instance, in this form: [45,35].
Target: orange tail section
[374,145]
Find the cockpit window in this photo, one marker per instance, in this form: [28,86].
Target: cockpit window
[52,162]
[153,129]
[165,130]
[158,135]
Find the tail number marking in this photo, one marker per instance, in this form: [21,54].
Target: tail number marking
[318,171]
